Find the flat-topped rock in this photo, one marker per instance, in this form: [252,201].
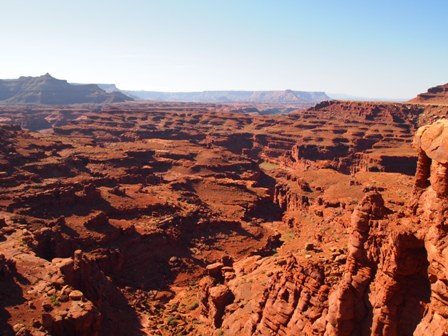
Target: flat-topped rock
[214,270]
[76,295]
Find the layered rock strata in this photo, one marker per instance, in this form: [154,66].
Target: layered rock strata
[394,281]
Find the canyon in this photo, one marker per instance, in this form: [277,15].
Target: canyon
[177,218]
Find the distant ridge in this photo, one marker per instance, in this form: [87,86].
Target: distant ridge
[268,97]
[434,95]
[109,87]
[47,90]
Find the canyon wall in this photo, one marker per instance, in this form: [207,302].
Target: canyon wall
[392,281]
[190,219]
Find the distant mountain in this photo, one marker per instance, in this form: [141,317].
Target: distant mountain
[268,97]
[434,95]
[47,90]
[109,87]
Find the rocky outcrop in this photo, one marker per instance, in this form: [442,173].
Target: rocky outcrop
[265,296]
[347,304]
[435,95]
[384,288]
[214,295]
[394,281]
[81,319]
[396,275]
[430,209]
[87,272]
[35,297]
[294,303]
[290,197]
[7,267]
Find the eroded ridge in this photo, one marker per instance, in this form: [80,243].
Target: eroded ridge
[391,281]
[168,218]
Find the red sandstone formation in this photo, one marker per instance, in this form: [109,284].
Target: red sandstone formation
[430,206]
[434,95]
[394,274]
[164,219]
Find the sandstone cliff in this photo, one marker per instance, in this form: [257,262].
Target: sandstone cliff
[434,95]
[394,280]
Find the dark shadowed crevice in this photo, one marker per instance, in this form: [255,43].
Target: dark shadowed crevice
[415,289]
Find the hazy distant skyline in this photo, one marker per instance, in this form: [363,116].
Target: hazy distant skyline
[390,49]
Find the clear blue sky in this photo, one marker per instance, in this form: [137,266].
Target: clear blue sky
[372,48]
